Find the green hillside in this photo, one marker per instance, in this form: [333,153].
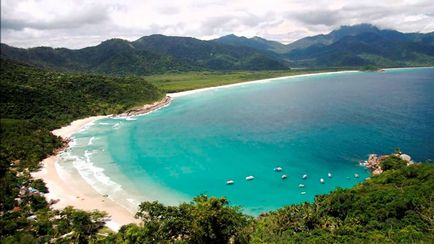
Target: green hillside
[147,55]
[35,101]
[348,46]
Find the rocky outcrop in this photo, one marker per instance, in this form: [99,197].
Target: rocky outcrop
[374,162]
[147,108]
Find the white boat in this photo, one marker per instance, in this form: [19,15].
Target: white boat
[250,177]
[229,182]
[321,180]
[301,185]
[304,177]
[356,175]
[277,169]
[284,177]
[329,175]
[303,192]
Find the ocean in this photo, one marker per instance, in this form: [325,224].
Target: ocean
[311,125]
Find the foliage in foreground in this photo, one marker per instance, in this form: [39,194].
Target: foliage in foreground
[204,220]
[395,206]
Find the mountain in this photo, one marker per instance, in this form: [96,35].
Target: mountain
[355,30]
[348,46]
[356,45]
[147,55]
[113,56]
[254,42]
[208,54]
[363,45]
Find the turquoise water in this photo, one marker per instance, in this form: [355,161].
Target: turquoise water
[306,125]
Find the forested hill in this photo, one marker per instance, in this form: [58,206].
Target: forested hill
[34,101]
[147,55]
[349,46]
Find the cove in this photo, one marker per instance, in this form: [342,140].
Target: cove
[307,125]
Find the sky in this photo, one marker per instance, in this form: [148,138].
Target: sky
[81,23]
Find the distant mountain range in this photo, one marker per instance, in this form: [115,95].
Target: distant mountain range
[357,45]
[349,46]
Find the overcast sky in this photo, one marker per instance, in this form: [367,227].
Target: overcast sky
[81,23]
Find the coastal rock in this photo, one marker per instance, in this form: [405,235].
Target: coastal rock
[405,157]
[147,108]
[374,162]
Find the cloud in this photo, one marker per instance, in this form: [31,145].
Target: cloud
[323,17]
[80,23]
[80,19]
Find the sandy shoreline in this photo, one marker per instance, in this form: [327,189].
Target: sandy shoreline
[76,192]
[184,93]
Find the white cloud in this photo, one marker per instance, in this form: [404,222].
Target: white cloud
[80,23]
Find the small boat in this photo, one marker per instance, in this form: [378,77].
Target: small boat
[277,169]
[329,175]
[301,185]
[303,192]
[230,182]
[304,177]
[250,177]
[284,177]
[321,180]
[356,175]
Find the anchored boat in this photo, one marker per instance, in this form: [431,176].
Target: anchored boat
[278,169]
[250,177]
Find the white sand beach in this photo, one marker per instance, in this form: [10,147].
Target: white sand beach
[75,191]
[184,93]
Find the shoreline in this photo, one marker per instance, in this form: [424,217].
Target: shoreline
[66,190]
[76,192]
[188,92]
[147,108]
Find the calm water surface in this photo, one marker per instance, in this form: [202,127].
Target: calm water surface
[306,125]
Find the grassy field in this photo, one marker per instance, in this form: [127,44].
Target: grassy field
[177,82]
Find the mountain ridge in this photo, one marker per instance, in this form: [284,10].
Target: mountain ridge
[348,46]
